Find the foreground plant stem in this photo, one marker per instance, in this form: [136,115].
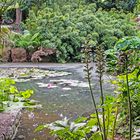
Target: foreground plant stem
[129,99]
[114,124]
[88,71]
[100,64]
[92,95]
[108,119]
[102,104]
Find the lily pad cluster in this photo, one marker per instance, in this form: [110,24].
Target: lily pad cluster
[26,74]
[11,98]
[66,84]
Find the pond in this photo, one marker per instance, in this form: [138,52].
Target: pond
[62,92]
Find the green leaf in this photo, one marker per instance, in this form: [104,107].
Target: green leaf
[13,90]
[40,128]
[26,94]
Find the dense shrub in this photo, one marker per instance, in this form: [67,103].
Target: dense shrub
[67,27]
[128,5]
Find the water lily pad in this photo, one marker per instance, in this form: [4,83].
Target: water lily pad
[27,74]
[46,85]
[22,80]
[66,88]
[72,83]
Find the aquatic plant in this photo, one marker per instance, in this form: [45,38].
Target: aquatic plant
[10,93]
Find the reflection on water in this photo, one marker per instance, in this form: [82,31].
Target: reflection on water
[30,120]
[56,102]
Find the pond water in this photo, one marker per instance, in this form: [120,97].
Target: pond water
[65,95]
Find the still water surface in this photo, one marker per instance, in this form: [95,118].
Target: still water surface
[58,102]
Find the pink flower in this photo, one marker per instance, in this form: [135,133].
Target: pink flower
[49,86]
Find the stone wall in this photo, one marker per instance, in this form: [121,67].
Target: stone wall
[22,55]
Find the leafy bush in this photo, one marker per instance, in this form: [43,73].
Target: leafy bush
[127,54]
[81,128]
[129,45]
[5,37]
[128,5]
[66,28]
[26,41]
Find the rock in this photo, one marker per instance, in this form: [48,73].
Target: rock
[49,51]
[51,55]
[30,50]
[29,55]
[44,55]
[9,122]
[36,56]
[18,55]
[6,55]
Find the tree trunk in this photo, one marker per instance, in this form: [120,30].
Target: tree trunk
[18,18]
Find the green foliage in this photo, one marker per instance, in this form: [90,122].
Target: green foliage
[137,8]
[134,90]
[4,5]
[5,39]
[26,94]
[26,41]
[67,27]
[9,92]
[85,127]
[128,50]
[77,130]
[128,43]
[129,46]
[128,5]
